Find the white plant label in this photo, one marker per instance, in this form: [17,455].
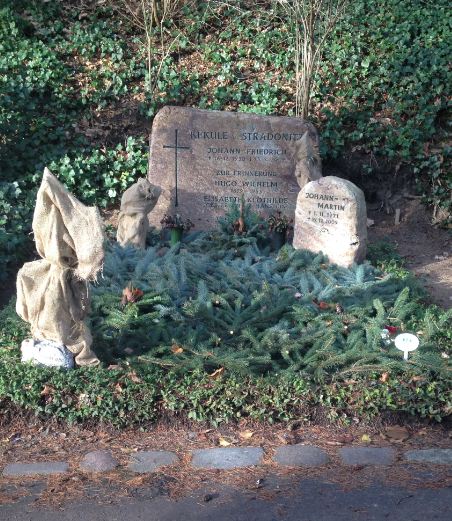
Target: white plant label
[406,342]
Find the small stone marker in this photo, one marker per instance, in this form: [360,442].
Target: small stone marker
[203,160]
[406,342]
[98,461]
[331,218]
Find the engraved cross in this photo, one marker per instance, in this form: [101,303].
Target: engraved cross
[176,147]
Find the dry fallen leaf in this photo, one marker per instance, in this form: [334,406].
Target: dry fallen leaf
[47,390]
[365,438]
[222,442]
[131,294]
[217,372]
[384,377]
[133,376]
[176,349]
[246,435]
[397,433]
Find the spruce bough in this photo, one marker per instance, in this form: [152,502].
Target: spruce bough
[218,301]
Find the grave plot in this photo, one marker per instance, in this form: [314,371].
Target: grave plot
[228,303]
[221,326]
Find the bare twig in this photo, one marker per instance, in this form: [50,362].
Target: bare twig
[312,22]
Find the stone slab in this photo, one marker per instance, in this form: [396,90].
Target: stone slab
[331,218]
[43,468]
[220,156]
[439,456]
[367,455]
[300,456]
[98,461]
[149,461]
[227,457]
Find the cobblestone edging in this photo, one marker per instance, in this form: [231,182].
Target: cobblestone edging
[234,457]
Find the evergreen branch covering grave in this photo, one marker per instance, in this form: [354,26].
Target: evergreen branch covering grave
[223,302]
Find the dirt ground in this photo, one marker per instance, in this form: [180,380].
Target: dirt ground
[427,250]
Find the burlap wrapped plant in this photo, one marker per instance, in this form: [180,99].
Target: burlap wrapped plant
[53,293]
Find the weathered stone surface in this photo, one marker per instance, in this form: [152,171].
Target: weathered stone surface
[149,461]
[220,156]
[439,456]
[308,164]
[227,458]
[331,217]
[98,461]
[35,469]
[300,456]
[136,202]
[367,455]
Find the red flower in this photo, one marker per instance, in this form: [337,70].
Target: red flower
[392,329]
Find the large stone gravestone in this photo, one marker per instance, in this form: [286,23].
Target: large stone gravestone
[203,160]
[331,217]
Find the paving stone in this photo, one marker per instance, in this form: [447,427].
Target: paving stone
[440,456]
[149,461]
[98,461]
[227,458]
[300,456]
[33,469]
[367,455]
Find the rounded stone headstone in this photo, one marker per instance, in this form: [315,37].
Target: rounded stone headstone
[98,461]
[331,218]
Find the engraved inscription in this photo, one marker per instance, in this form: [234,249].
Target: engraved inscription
[325,209]
[240,182]
[228,156]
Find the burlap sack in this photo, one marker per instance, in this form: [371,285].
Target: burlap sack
[136,202]
[53,293]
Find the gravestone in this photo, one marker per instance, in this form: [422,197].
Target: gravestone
[331,217]
[203,160]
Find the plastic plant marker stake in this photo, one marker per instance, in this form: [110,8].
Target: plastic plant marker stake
[406,342]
